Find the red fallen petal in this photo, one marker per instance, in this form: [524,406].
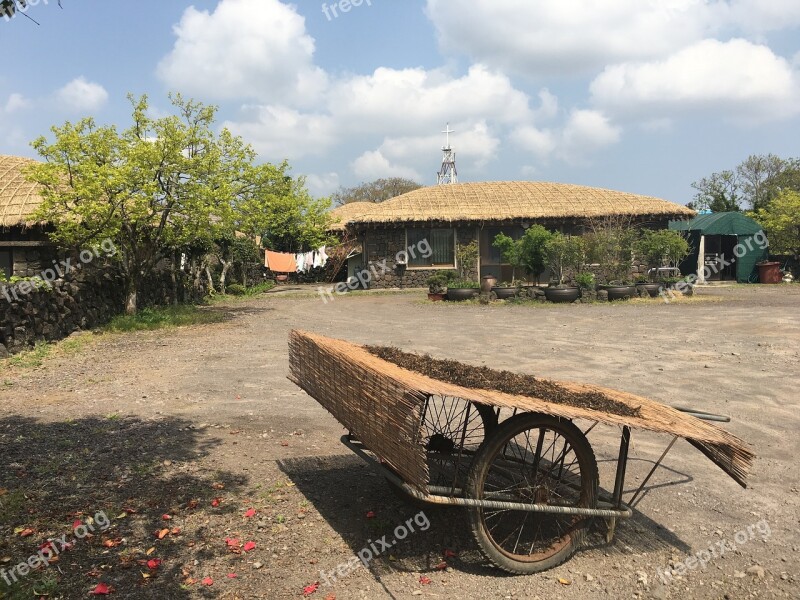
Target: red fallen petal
[370,515]
[153,563]
[101,590]
[310,589]
[232,575]
[424,580]
[249,546]
[166,517]
[250,513]
[176,531]
[216,502]
[449,554]
[441,566]
[207,581]
[76,523]
[233,542]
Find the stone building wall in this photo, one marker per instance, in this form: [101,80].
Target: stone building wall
[386,244]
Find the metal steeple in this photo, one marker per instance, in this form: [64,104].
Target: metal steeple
[449,173]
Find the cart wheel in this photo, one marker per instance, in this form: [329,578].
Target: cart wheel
[532,458]
[451,432]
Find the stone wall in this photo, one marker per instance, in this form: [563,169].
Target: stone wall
[73,304]
[81,301]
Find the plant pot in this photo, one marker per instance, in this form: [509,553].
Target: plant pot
[648,288]
[620,292]
[504,293]
[460,294]
[487,283]
[562,295]
[436,297]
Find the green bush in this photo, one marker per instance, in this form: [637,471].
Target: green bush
[464,283]
[236,289]
[585,280]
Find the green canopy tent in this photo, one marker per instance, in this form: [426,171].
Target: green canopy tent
[725,246]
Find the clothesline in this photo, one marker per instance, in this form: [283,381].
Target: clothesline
[282,262]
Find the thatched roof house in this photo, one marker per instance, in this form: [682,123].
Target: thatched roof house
[24,246]
[447,215]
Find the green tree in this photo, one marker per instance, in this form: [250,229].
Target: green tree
[510,251]
[781,222]
[379,190]
[760,176]
[564,252]
[533,249]
[718,193]
[162,184]
[658,247]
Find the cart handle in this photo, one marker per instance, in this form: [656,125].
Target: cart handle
[705,416]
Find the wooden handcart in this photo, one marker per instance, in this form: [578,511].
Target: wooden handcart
[520,465]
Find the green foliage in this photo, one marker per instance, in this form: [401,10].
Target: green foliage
[564,252]
[236,289]
[465,284]
[162,318]
[467,256]
[754,182]
[781,222]
[609,244]
[718,193]
[260,288]
[585,280]
[533,248]
[662,247]
[437,283]
[510,250]
[379,190]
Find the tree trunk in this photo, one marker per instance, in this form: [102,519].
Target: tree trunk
[211,289]
[226,265]
[131,296]
[174,273]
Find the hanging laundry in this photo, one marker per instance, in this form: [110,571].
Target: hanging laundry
[279,262]
[308,260]
[323,255]
[301,262]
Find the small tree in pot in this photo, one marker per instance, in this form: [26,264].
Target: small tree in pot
[562,253]
[465,287]
[662,248]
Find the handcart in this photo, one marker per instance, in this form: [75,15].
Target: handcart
[520,465]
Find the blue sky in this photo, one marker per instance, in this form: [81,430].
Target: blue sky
[643,96]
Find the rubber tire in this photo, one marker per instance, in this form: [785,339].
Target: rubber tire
[481,462]
[489,418]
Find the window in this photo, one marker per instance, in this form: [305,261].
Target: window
[6,263]
[442,244]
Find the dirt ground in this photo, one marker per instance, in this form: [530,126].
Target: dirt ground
[200,425]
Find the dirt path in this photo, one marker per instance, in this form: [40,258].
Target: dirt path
[157,419]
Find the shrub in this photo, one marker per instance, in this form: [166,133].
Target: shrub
[236,289]
[585,280]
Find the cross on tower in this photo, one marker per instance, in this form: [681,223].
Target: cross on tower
[449,173]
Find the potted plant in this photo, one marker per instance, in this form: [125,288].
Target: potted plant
[610,245]
[437,286]
[563,252]
[586,283]
[505,290]
[661,248]
[463,289]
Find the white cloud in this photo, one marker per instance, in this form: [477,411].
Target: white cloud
[322,184]
[82,95]
[373,165]
[738,77]
[584,133]
[16,102]
[569,36]
[390,99]
[278,132]
[255,49]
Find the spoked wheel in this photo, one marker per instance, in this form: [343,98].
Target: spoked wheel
[532,459]
[451,431]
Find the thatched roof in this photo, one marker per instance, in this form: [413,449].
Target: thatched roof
[347,212]
[509,201]
[19,198]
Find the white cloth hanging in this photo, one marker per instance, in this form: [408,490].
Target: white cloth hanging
[301,263]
